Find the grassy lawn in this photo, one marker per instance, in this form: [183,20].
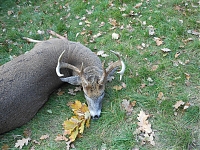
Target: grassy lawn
[145,31]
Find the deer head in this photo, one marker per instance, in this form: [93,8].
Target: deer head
[93,80]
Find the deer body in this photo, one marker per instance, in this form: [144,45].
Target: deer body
[27,81]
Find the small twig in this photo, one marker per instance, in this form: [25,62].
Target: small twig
[31,40]
[56,34]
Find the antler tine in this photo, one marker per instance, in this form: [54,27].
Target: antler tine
[113,66]
[121,72]
[104,73]
[65,65]
[56,34]
[59,65]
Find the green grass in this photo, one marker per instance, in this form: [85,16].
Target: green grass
[114,130]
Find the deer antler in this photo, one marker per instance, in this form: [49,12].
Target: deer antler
[69,66]
[113,66]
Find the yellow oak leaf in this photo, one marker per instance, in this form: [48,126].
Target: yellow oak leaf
[81,128]
[76,105]
[69,126]
[74,134]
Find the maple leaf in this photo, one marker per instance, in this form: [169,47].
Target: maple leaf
[22,142]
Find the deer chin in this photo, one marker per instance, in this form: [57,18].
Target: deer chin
[95,105]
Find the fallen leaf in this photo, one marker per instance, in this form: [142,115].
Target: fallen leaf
[74,126]
[78,88]
[60,92]
[71,92]
[115,36]
[113,22]
[117,87]
[144,131]
[154,67]
[158,41]
[178,104]
[143,85]
[22,142]
[160,95]
[44,137]
[186,106]
[187,75]
[61,138]
[36,142]
[123,85]
[166,50]
[151,30]
[74,135]
[5,147]
[177,54]
[10,12]
[138,5]
[127,106]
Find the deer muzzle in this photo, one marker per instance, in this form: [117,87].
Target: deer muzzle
[95,105]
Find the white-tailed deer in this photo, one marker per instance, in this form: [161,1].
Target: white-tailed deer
[27,81]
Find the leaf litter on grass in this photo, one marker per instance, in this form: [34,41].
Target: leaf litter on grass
[75,126]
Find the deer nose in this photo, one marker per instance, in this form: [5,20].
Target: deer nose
[95,117]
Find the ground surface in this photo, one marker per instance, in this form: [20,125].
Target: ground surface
[160,44]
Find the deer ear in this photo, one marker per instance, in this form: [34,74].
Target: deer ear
[74,80]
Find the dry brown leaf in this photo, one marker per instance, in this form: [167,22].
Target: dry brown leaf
[160,95]
[71,92]
[151,29]
[22,142]
[113,22]
[143,85]
[187,75]
[166,50]
[10,12]
[127,106]
[186,106]
[145,132]
[158,41]
[123,85]
[138,5]
[178,104]
[5,147]
[115,36]
[61,138]
[177,54]
[154,67]
[60,92]
[78,88]
[44,137]
[102,53]
[117,87]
